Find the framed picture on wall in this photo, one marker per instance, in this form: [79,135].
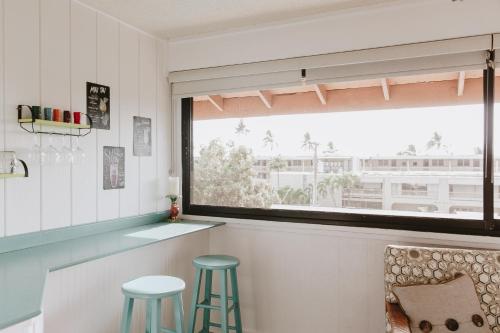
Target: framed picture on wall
[142,136]
[98,105]
[113,168]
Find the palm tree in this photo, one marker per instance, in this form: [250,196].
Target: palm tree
[308,144]
[435,141]
[411,150]
[338,183]
[330,148]
[269,140]
[292,196]
[242,128]
[277,163]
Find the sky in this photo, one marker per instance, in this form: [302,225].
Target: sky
[358,133]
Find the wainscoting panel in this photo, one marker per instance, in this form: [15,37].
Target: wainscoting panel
[49,49]
[55,92]
[87,297]
[22,86]
[163,134]
[308,278]
[129,107]
[83,69]
[147,108]
[108,73]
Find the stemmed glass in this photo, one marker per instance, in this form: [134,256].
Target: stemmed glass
[66,151]
[77,152]
[36,155]
[52,153]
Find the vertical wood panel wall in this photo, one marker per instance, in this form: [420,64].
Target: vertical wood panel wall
[49,49]
[310,278]
[87,297]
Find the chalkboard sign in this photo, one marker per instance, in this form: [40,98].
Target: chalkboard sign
[142,136]
[98,105]
[113,168]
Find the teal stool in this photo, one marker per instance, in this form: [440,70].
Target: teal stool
[153,289]
[221,264]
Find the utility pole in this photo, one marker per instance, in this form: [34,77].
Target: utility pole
[315,174]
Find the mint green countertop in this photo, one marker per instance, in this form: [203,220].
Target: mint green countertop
[23,271]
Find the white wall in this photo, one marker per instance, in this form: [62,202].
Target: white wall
[51,48]
[408,22]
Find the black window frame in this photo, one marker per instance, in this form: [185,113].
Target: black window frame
[486,226]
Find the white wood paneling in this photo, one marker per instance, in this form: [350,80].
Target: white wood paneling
[2,123]
[87,297]
[83,69]
[55,93]
[148,184]
[49,49]
[108,73]
[163,132]
[337,273]
[22,86]
[129,107]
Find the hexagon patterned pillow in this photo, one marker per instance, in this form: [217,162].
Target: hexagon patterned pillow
[447,307]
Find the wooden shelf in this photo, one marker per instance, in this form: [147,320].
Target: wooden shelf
[53,123]
[12,175]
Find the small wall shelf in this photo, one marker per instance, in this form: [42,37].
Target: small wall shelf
[12,175]
[10,166]
[28,124]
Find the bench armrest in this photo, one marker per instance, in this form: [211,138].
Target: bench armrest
[397,318]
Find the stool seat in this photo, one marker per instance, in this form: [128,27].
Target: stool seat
[154,286]
[215,262]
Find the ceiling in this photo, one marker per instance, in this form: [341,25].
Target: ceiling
[180,18]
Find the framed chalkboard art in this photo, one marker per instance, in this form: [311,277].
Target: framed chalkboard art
[98,105]
[142,136]
[113,168]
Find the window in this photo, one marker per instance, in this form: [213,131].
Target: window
[344,152]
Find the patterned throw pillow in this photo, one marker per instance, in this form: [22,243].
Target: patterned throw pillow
[443,308]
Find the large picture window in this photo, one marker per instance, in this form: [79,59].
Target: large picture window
[402,151]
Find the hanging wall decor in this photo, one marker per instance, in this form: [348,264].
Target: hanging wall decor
[142,136]
[98,105]
[113,168]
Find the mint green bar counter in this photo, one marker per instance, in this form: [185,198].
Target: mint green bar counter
[25,260]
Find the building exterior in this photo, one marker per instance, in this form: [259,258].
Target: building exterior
[425,183]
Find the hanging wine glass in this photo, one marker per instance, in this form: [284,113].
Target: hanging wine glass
[78,152]
[53,154]
[36,155]
[66,151]
[15,165]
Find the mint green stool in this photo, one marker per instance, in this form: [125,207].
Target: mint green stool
[153,289]
[221,264]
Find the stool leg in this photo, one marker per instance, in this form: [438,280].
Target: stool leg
[155,315]
[223,301]
[149,310]
[236,300]
[208,298]
[128,306]
[194,302]
[179,313]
